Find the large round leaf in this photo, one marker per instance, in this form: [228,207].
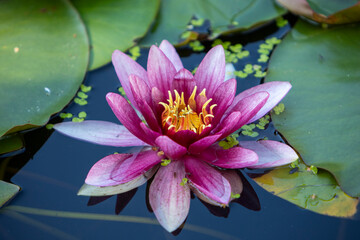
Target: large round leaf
[322,113]
[43,59]
[7,192]
[114,25]
[224,16]
[315,191]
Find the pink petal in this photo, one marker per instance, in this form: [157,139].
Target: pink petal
[116,169]
[248,107]
[142,96]
[276,90]
[171,149]
[236,187]
[271,153]
[169,50]
[170,200]
[100,173]
[208,180]
[235,181]
[184,137]
[229,125]
[223,97]
[235,157]
[151,135]
[99,132]
[157,96]
[134,166]
[90,190]
[124,67]
[161,71]
[126,115]
[184,82]
[203,143]
[211,71]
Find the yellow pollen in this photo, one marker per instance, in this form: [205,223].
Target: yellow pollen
[181,115]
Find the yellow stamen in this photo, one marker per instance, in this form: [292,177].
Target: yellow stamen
[181,115]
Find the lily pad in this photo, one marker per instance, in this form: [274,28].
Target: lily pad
[115,25]
[7,192]
[10,144]
[224,17]
[323,11]
[44,54]
[322,114]
[316,192]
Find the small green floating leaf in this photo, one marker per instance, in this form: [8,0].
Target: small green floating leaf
[85,89]
[260,74]
[80,101]
[66,115]
[233,195]
[75,119]
[196,46]
[82,95]
[240,74]
[281,22]
[236,48]
[82,114]
[263,58]
[134,52]
[7,192]
[49,126]
[315,192]
[197,22]
[230,141]
[184,181]
[165,162]
[225,45]
[279,108]
[313,169]
[122,91]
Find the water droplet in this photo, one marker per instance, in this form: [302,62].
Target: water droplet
[47,91]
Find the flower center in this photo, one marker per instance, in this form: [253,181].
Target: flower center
[194,115]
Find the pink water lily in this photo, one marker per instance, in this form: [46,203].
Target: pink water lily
[183,118]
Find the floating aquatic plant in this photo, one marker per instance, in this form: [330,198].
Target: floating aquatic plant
[185,117]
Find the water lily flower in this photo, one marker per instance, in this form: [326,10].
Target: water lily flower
[184,117]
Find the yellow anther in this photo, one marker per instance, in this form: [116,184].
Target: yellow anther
[181,115]
[203,92]
[160,153]
[170,100]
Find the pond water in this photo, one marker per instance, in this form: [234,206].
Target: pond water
[53,167]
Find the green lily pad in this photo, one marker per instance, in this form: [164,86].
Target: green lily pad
[316,192]
[115,25]
[322,115]
[10,144]
[224,16]
[44,54]
[7,192]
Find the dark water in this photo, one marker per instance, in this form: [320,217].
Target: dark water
[50,176]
